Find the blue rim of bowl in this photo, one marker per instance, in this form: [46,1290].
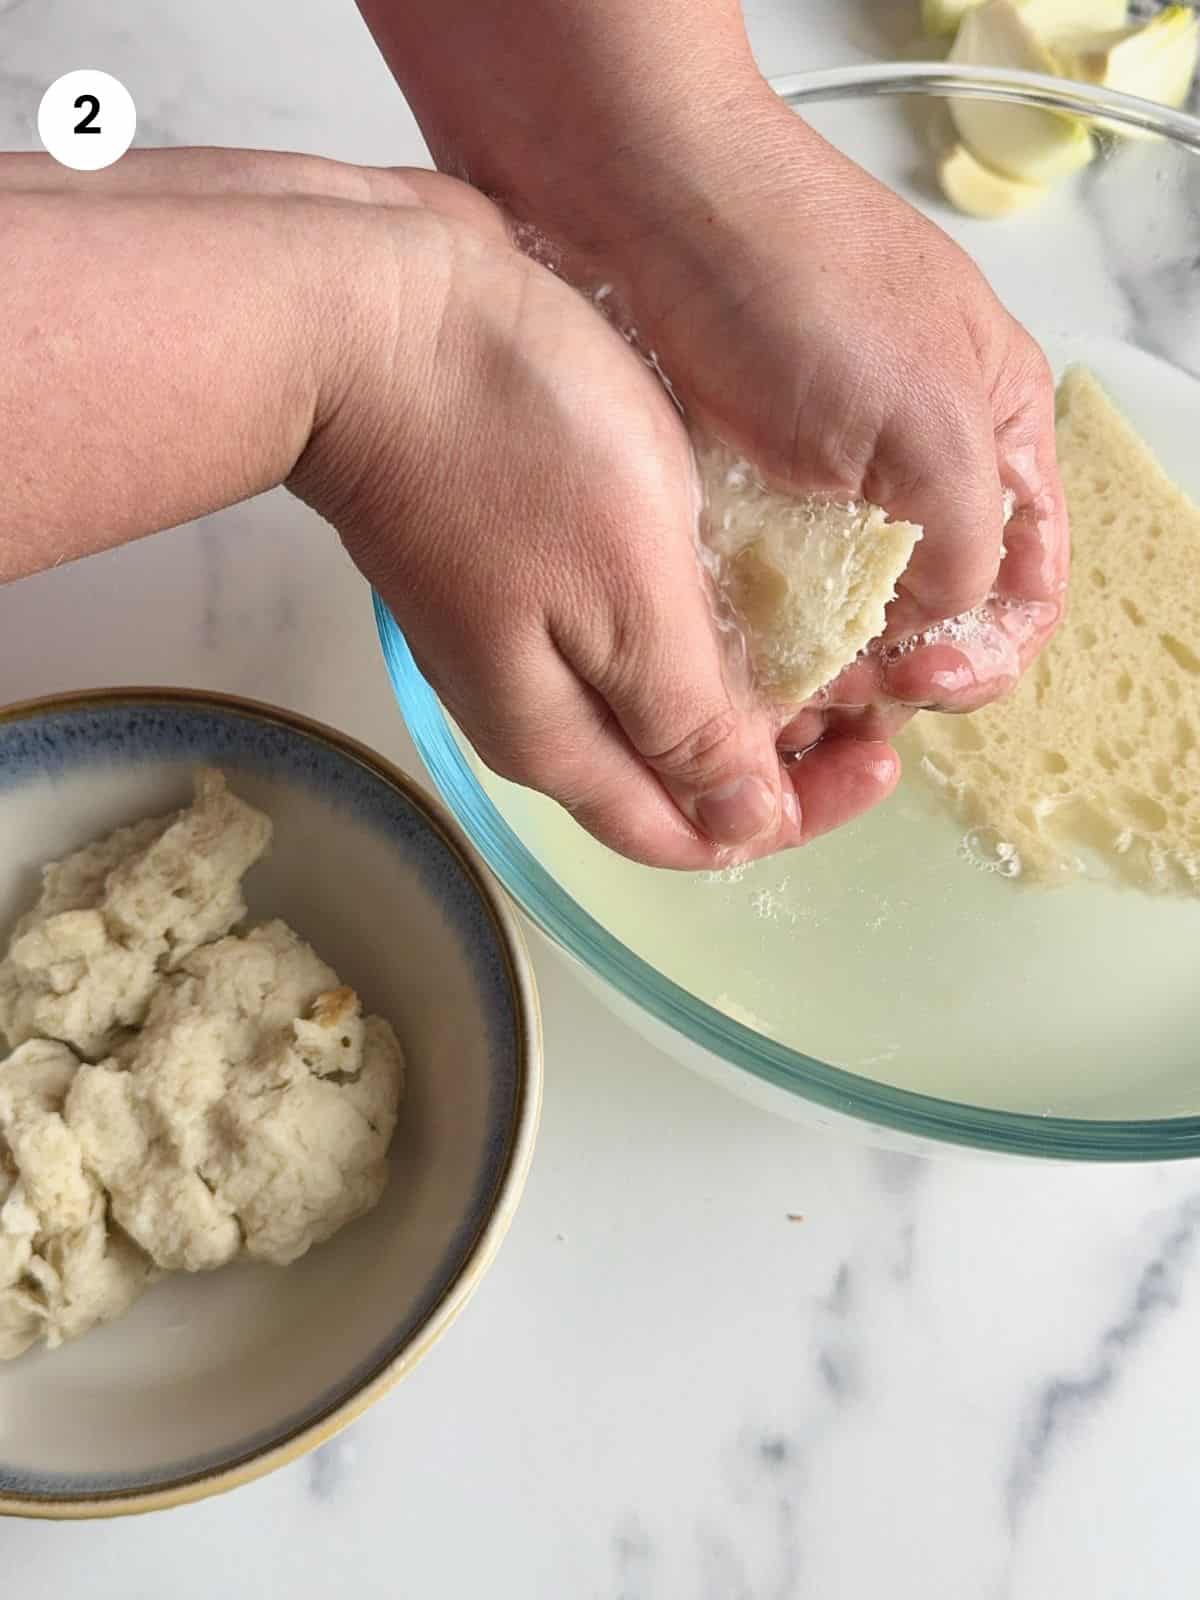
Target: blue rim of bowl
[561,917]
[478,1252]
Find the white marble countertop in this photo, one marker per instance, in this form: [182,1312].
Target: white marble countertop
[960,1379]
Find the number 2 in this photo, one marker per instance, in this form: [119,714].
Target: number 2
[87,123]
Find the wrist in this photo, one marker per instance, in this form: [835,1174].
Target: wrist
[376,303]
[590,122]
[684,208]
[616,184]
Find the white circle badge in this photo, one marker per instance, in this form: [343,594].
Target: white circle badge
[87,120]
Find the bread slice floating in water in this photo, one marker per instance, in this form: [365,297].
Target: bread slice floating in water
[808,578]
[1095,756]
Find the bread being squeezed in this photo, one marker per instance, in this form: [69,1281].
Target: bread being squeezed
[807,577]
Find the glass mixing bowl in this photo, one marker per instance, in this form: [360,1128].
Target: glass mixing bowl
[925,1002]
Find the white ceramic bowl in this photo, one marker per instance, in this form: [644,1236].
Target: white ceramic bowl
[213,1379]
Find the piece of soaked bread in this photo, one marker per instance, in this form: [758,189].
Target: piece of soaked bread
[1099,745]
[85,961]
[807,578]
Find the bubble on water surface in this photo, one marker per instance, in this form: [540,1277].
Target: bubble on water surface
[988,850]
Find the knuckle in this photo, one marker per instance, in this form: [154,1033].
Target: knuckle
[615,621]
[945,451]
[833,418]
[310,175]
[1025,385]
[1035,364]
[440,192]
[522,755]
[700,751]
[542,750]
[396,186]
[636,628]
[323,177]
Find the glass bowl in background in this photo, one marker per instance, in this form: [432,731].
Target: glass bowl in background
[880,980]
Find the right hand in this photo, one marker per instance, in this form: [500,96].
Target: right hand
[823,328]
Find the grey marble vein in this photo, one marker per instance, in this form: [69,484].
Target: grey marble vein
[1066,1397]
[836,1354]
[900,1177]
[633,1559]
[213,564]
[898,1173]
[840,1298]
[329,1467]
[904,1259]
[153,133]
[767,1471]
[722,1573]
[20,95]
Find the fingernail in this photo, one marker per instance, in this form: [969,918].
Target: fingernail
[736,812]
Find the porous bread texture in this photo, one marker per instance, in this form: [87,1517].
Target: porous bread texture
[1097,750]
[808,577]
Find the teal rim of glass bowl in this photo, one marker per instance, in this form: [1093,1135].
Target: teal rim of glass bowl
[560,917]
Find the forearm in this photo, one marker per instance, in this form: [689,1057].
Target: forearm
[158,360]
[584,116]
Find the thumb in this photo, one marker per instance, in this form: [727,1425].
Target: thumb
[679,699]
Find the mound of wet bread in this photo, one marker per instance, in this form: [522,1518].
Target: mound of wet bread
[179,1093]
